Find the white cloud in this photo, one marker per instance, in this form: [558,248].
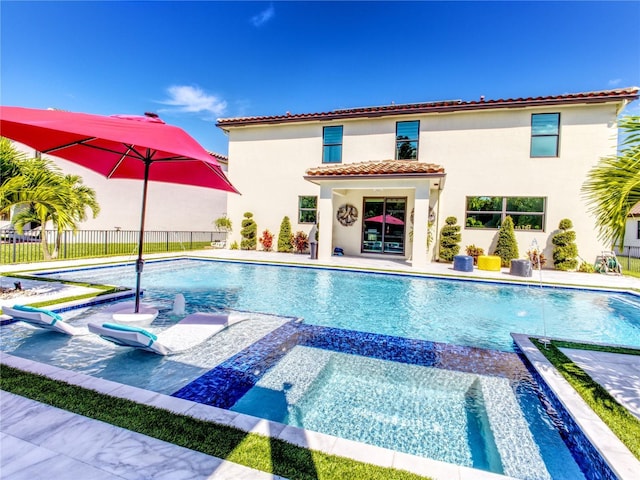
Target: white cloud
[192,99]
[263,17]
[615,82]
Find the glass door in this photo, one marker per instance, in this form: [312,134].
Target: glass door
[383,225]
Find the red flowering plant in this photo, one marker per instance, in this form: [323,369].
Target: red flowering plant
[300,242]
[266,240]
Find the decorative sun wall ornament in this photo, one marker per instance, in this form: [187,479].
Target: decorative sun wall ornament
[347,215]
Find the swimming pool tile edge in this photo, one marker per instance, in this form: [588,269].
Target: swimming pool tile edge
[371,454]
[617,456]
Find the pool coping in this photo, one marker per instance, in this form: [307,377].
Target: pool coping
[615,454]
[328,444]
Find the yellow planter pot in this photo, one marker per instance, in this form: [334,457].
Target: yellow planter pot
[489,262]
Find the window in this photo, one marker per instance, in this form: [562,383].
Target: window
[545,133]
[638,233]
[407,140]
[307,209]
[489,212]
[332,144]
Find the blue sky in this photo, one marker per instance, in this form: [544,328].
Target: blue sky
[193,62]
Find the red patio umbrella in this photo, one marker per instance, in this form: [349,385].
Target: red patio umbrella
[390,219]
[118,146]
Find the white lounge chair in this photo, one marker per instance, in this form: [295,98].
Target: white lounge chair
[187,333]
[41,318]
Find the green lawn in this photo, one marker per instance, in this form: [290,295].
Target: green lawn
[32,252]
[622,423]
[252,450]
[630,266]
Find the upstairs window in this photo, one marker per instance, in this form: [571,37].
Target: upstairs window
[307,209]
[545,134]
[407,140]
[332,144]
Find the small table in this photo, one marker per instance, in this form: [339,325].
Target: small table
[521,268]
[489,262]
[463,263]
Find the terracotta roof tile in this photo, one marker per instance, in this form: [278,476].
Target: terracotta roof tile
[630,93]
[219,157]
[384,167]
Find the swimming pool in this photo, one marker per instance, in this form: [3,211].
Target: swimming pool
[460,312]
[427,391]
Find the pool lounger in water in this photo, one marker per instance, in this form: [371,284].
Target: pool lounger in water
[40,318]
[187,333]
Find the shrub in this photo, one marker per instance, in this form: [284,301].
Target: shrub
[507,246]
[300,242]
[249,232]
[449,239]
[535,257]
[586,267]
[474,252]
[234,245]
[284,237]
[267,241]
[565,249]
[223,224]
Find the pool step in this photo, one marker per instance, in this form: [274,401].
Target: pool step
[518,451]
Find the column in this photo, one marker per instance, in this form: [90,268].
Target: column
[420,222]
[325,223]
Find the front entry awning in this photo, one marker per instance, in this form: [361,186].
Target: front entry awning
[386,178]
[383,170]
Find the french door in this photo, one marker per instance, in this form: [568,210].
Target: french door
[383,228]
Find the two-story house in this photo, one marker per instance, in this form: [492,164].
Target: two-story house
[382,180]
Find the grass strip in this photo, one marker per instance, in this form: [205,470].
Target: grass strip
[596,348]
[621,422]
[255,451]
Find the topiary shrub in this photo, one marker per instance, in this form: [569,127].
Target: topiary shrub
[300,242]
[507,246]
[249,232]
[474,252]
[266,240]
[565,249]
[449,239]
[284,237]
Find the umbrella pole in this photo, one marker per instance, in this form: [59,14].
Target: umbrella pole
[140,261]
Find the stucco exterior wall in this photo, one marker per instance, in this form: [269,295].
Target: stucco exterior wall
[487,154]
[483,152]
[631,233]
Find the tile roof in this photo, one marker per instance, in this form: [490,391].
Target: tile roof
[223,159]
[384,167]
[635,210]
[618,95]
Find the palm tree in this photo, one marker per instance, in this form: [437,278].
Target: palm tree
[612,187]
[79,198]
[44,193]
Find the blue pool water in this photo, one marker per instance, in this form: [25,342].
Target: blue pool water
[459,312]
[422,366]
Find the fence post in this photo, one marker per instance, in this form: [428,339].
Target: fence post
[14,249]
[167,240]
[190,240]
